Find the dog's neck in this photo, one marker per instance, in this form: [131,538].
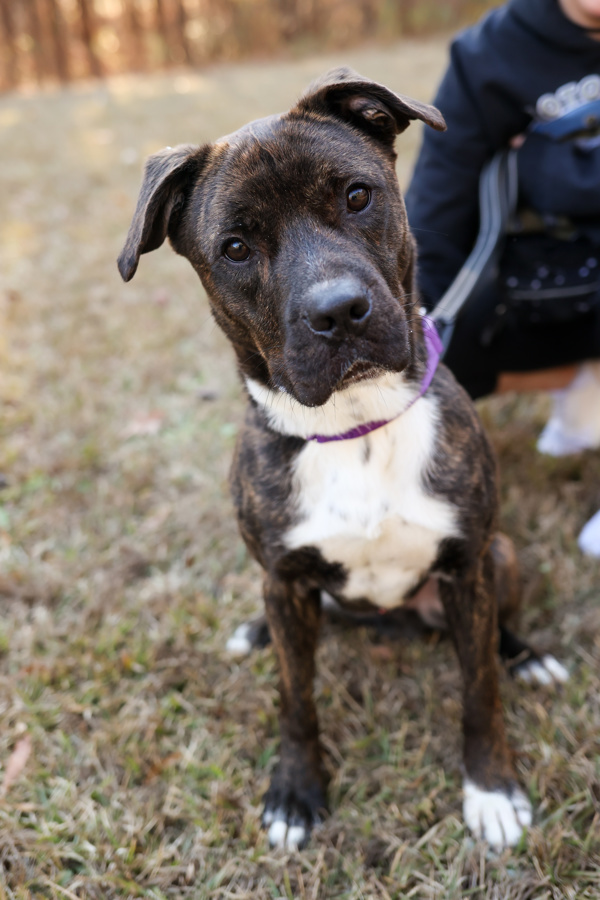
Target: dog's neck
[354,411]
[375,399]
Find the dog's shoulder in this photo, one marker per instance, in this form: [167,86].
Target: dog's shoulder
[463,467]
[261,481]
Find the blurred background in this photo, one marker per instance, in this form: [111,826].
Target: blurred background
[64,40]
[133,751]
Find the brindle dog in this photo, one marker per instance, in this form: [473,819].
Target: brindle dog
[351,481]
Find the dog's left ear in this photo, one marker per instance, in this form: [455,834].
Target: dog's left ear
[366,104]
[169,177]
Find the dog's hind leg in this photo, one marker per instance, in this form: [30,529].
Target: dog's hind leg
[507,587]
[521,660]
[507,579]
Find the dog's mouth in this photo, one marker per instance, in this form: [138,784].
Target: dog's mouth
[319,392]
[359,370]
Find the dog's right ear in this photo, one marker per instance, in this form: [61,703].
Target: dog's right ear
[169,176]
[367,105]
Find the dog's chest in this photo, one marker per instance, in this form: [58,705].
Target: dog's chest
[363,503]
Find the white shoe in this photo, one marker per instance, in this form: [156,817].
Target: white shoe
[575,421]
[589,539]
[575,426]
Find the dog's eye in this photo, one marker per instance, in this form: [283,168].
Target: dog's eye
[358,197]
[236,250]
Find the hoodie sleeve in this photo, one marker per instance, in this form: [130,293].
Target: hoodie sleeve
[442,200]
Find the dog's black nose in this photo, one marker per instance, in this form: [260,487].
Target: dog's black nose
[337,309]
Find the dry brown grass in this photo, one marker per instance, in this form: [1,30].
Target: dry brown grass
[121,572]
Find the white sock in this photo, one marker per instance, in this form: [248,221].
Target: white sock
[575,421]
[589,539]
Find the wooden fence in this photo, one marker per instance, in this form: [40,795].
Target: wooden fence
[63,40]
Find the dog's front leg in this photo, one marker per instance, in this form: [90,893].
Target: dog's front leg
[495,808]
[296,797]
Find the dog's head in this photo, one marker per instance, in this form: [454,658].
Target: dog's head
[297,229]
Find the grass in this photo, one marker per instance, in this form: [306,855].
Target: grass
[121,572]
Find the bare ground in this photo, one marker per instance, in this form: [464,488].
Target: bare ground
[134,753]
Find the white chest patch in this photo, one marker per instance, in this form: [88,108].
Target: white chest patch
[363,504]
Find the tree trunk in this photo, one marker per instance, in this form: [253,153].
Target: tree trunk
[10,74]
[162,29]
[87,30]
[181,22]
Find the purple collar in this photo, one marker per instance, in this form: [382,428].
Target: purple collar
[434,351]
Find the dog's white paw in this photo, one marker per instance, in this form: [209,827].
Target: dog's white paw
[546,670]
[494,816]
[240,642]
[589,539]
[249,635]
[282,835]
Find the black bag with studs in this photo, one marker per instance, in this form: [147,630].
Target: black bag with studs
[546,279]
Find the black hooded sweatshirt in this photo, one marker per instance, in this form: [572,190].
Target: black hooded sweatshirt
[498,71]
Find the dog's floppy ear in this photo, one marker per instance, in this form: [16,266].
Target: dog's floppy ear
[368,105]
[168,178]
